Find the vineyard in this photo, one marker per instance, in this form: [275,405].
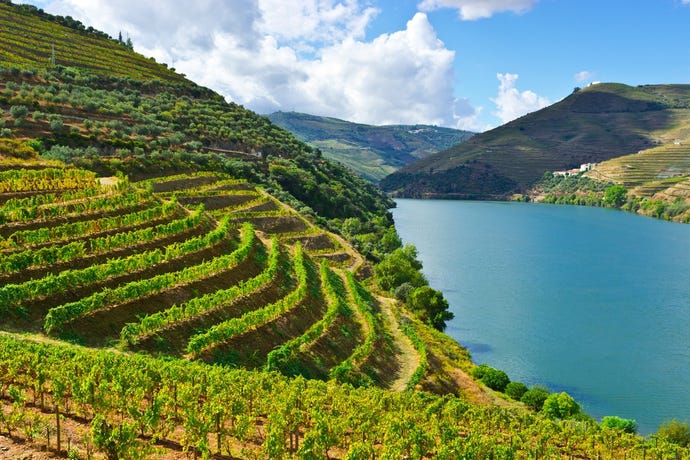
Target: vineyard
[208,269]
[202,267]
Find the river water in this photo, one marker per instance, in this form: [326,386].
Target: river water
[591,301]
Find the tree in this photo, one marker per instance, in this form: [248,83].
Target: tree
[560,406]
[19,112]
[515,390]
[676,432]
[398,267]
[618,423]
[534,397]
[431,307]
[615,196]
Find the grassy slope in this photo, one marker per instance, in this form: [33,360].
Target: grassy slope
[595,124]
[371,151]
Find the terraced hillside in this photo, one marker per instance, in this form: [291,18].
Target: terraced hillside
[660,172]
[199,266]
[28,39]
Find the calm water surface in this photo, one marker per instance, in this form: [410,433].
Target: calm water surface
[590,301]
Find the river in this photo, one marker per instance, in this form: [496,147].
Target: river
[591,301]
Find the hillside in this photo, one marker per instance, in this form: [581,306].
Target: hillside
[372,152]
[592,125]
[34,39]
[179,277]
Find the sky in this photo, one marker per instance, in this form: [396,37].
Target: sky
[466,64]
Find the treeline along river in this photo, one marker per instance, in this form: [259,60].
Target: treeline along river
[591,301]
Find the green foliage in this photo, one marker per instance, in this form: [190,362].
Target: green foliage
[493,378]
[560,406]
[618,423]
[115,442]
[431,307]
[400,266]
[515,390]
[534,397]
[19,112]
[615,196]
[676,432]
[403,291]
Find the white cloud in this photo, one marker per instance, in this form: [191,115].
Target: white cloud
[404,77]
[511,103]
[470,10]
[584,75]
[315,20]
[309,56]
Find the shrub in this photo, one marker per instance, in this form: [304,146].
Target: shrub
[515,390]
[495,379]
[19,111]
[560,406]
[56,124]
[676,432]
[617,423]
[534,397]
[478,372]
[492,378]
[403,291]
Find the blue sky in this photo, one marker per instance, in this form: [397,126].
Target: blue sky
[470,64]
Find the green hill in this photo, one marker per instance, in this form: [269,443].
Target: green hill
[373,152]
[175,281]
[592,125]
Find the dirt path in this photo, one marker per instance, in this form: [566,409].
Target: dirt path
[408,355]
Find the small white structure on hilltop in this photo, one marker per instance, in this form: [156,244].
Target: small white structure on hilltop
[587,166]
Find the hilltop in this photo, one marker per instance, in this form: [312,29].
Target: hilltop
[592,125]
[372,152]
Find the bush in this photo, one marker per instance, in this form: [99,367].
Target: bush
[479,371]
[615,196]
[534,397]
[403,291]
[515,390]
[495,379]
[676,432]
[19,111]
[56,124]
[492,378]
[617,423]
[560,406]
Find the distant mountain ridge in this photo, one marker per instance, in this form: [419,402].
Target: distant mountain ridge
[591,125]
[371,151]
